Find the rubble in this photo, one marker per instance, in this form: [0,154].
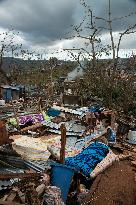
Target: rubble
[74,141]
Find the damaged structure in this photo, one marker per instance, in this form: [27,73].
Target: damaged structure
[63,153]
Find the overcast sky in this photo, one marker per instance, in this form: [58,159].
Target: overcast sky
[42,23]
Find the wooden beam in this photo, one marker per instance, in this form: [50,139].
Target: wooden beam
[32,127]
[9,203]
[63,143]
[19,175]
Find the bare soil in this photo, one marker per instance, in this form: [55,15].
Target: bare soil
[116,186]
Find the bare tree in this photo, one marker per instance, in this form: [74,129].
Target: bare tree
[104,75]
[8,47]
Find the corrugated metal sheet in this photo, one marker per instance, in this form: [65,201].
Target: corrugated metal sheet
[9,87]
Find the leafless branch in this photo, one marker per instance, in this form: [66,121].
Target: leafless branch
[126,32]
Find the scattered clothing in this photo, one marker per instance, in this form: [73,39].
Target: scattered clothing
[23,120]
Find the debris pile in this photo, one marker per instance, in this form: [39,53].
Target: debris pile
[56,155]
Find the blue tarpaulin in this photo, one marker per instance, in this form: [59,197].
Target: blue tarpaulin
[53,112]
[86,161]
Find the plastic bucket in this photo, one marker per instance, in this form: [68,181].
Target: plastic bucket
[61,177]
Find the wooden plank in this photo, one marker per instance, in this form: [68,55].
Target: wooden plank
[9,203]
[63,143]
[32,127]
[18,175]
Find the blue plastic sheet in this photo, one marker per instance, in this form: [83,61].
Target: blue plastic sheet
[53,112]
[86,161]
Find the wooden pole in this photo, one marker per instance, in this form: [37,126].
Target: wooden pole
[63,143]
[51,78]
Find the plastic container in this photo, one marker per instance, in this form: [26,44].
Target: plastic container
[61,176]
[131,137]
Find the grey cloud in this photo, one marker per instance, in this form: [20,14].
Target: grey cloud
[128,42]
[119,8]
[42,20]
[2,1]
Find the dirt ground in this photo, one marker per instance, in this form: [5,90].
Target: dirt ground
[116,186]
